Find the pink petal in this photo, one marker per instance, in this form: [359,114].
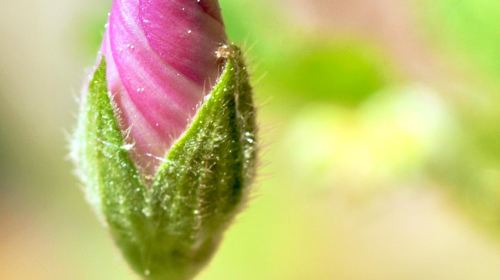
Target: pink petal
[160,64]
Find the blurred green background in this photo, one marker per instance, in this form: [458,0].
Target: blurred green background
[380,127]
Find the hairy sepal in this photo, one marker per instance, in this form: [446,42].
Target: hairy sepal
[168,228]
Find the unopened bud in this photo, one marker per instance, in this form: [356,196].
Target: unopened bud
[166,142]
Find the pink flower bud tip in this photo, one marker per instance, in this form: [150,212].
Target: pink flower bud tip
[161,62]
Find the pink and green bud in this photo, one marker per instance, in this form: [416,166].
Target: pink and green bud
[166,141]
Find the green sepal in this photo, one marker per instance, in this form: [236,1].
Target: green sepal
[168,228]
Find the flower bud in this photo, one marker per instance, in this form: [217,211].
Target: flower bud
[166,141]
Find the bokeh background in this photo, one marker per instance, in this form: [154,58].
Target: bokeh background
[380,127]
